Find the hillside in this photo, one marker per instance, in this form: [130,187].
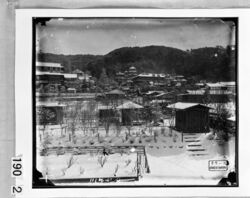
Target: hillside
[213,63]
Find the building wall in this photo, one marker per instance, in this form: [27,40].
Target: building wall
[193,120]
[201,98]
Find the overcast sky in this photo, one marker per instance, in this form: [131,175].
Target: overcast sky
[100,36]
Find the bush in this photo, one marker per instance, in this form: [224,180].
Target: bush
[127,162]
[71,161]
[91,142]
[131,141]
[81,170]
[116,169]
[102,160]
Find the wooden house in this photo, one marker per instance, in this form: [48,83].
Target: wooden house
[191,117]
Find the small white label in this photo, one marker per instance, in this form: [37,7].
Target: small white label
[218,165]
[16,167]
[16,190]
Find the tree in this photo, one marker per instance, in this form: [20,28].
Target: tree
[108,117]
[171,121]
[72,118]
[110,114]
[220,123]
[45,116]
[103,81]
[129,116]
[148,116]
[206,97]
[83,120]
[118,125]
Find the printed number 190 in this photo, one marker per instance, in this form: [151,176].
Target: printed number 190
[16,168]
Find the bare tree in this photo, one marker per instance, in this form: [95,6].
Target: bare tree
[171,121]
[118,126]
[107,121]
[109,114]
[129,115]
[72,117]
[102,160]
[148,117]
[220,121]
[62,122]
[83,120]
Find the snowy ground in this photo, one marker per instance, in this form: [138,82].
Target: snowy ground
[88,166]
[171,160]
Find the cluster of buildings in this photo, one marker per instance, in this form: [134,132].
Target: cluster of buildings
[131,80]
[51,76]
[192,102]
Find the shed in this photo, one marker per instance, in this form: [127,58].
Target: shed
[129,112]
[191,117]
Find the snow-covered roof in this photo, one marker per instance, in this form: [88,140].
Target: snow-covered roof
[104,107]
[152,92]
[49,104]
[157,101]
[232,83]
[161,94]
[129,105]
[47,64]
[214,84]
[71,89]
[199,84]
[116,91]
[221,84]
[77,71]
[70,75]
[199,91]
[151,75]
[39,73]
[184,105]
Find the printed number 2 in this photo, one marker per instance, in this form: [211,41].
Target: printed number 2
[16,190]
[16,169]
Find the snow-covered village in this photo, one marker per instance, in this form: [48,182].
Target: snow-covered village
[135,116]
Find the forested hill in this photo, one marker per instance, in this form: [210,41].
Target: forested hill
[209,63]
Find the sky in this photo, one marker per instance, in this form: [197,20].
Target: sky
[100,36]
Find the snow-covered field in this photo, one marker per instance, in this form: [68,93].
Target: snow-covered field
[172,159]
[88,166]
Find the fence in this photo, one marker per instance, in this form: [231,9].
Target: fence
[142,161]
